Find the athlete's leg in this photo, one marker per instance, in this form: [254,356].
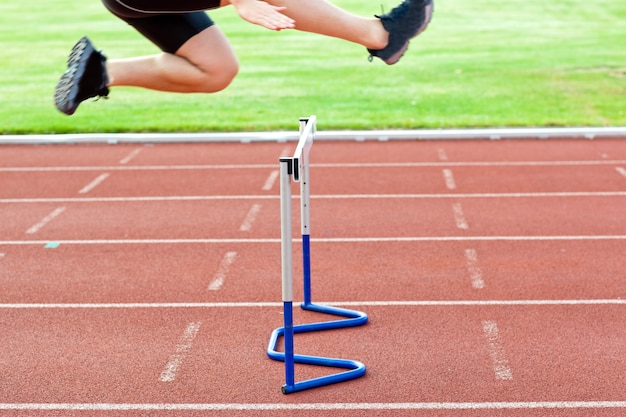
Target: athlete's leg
[196,55]
[324,18]
[204,64]
[386,37]
[196,58]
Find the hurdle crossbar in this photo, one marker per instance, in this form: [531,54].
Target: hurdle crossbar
[296,168]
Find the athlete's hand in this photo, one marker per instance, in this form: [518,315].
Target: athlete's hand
[263,14]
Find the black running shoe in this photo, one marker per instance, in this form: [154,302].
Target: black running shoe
[85,77]
[404,22]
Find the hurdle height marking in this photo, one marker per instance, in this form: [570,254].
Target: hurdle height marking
[246,226]
[130,156]
[496,351]
[449,179]
[222,271]
[35,228]
[459,216]
[93,184]
[182,348]
[476,275]
[271,179]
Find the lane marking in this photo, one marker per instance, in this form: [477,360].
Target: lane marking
[271,304]
[459,217]
[222,271]
[449,179]
[319,165]
[317,197]
[36,227]
[441,153]
[130,156]
[271,180]
[93,184]
[400,239]
[496,351]
[476,275]
[530,405]
[246,226]
[182,348]
[622,171]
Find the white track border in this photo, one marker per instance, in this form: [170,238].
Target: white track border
[347,135]
[591,405]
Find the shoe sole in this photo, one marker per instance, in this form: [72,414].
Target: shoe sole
[396,57]
[68,86]
[78,49]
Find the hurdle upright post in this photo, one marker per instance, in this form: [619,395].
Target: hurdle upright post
[286,170]
[305,214]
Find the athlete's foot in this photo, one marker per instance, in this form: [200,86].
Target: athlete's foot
[403,22]
[85,77]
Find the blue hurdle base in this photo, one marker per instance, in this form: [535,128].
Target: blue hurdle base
[355,369]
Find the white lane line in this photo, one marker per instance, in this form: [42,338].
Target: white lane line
[622,171]
[93,184]
[496,351]
[391,239]
[182,348]
[222,271]
[530,405]
[459,216]
[316,197]
[476,274]
[441,153]
[449,179]
[269,304]
[35,228]
[271,180]
[317,165]
[130,156]
[246,226]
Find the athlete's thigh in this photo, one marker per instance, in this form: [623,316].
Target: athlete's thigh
[210,50]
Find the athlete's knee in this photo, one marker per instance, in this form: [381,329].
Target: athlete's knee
[226,75]
[222,78]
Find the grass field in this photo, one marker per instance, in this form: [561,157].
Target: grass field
[481,63]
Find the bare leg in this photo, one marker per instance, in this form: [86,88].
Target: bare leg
[204,64]
[324,18]
[192,69]
[321,17]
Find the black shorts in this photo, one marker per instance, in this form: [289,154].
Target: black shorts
[167,23]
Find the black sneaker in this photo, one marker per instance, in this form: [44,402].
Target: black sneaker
[85,77]
[404,22]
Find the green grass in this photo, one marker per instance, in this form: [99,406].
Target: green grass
[480,64]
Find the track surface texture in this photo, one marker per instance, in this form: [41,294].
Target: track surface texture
[144,280]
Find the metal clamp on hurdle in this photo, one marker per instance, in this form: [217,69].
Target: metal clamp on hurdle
[297,168]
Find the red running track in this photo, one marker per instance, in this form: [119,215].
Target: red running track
[145,280]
